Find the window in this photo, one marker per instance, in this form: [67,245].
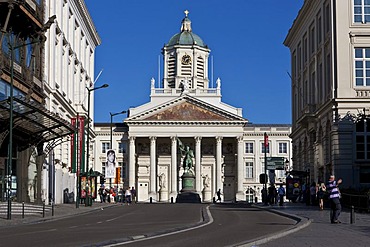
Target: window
[283,148]
[312,39]
[362,140]
[327,18]
[122,147]
[361,11]
[105,146]
[123,169]
[319,29]
[364,174]
[249,147]
[263,148]
[249,170]
[305,46]
[103,168]
[362,66]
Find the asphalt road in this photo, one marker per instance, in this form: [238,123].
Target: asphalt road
[151,225]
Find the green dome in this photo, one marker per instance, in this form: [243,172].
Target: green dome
[186,38]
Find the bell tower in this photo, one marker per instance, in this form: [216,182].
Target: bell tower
[185,60]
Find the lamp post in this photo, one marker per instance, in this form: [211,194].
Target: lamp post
[111,134]
[266,144]
[12,48]
[89,90]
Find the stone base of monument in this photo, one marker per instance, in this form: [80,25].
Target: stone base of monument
[188,194]
[207,196]
[163,195]
[188,197]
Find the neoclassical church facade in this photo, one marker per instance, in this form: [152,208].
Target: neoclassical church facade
[227,148]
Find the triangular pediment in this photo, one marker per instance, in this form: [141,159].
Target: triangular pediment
[186,109]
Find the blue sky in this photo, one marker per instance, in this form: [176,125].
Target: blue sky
[245,37]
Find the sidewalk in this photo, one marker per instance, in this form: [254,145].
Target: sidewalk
[60,211]
[319,231]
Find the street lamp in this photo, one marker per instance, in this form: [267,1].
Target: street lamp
[111,134]
[12,48]
[89,90]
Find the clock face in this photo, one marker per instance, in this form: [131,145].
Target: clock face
[186,59]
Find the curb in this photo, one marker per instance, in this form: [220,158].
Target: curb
[301,223]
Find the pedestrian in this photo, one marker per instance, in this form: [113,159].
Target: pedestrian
[321,195]
[272,194]
[281,192]
[128,196]
[313,191]
[133,194]
[100,191]
[334,198]
[218,193]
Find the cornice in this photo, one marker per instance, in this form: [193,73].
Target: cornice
[187,123]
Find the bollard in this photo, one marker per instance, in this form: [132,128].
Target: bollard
[171,199]
[43,210]
[150,199]
[22,210]
[353,215]
[52,209]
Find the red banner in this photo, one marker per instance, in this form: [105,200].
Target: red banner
[266,140]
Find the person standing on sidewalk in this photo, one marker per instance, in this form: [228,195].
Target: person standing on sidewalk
[281,192]
[334,196]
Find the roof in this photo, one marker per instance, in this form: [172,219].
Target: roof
[186,36]
[33,123]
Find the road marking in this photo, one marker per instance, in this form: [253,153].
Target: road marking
[165,234]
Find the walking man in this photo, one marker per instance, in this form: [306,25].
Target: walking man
[218,195]
[334,196]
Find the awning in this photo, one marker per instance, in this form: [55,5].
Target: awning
[32,122]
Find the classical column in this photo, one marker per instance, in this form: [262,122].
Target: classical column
[198,178]
[131,166]
[219,184]
[153,155]
[240,166]
[173,167]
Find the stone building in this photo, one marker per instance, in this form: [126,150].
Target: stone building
[329,43]
[227,148]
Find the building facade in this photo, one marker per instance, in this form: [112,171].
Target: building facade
[69,71]
[184,108]
[329,43]
[26,124]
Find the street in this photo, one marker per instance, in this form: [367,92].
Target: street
[151,225]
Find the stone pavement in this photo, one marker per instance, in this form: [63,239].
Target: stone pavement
[318,231]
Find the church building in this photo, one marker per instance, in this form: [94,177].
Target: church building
[185,109]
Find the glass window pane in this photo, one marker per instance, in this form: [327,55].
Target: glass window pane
[359,73]
[359,82]
[367,10]
[357,10]
[359,128]
[359,64]
[358,53]
[357,2]
[360,155]
[367,53]
[366,2]
[358,18]
[367,18]
[367,82]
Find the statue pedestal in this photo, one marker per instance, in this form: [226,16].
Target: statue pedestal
[207,196]
[163,195]
[188,194]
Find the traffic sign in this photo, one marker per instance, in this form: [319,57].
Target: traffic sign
[275,163]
